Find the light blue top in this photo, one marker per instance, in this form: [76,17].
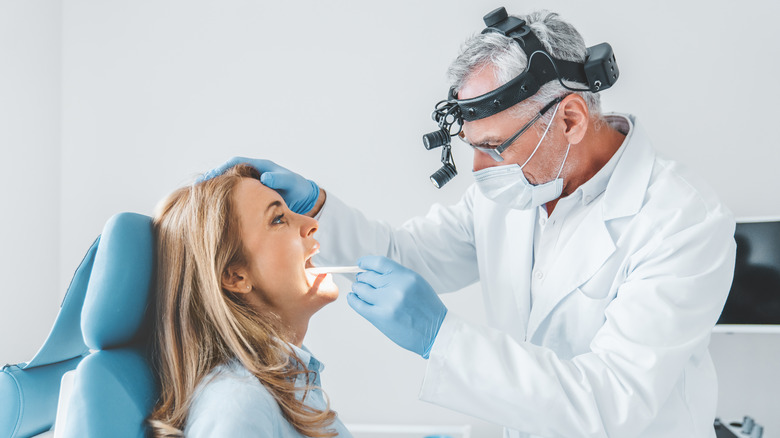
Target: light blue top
[232,402]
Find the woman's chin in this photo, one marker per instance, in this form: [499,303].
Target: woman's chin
[322,285]
[328,288]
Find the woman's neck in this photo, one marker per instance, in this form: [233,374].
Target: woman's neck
[297,329]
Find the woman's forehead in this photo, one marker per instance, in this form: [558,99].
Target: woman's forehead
[252,191]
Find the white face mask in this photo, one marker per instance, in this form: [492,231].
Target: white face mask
[507,185]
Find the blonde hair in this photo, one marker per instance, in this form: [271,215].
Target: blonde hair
[199,325]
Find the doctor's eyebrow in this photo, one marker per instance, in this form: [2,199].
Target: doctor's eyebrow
[488,142]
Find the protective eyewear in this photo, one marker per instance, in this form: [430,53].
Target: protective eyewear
[495,152]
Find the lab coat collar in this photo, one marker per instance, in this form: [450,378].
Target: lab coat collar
[626,188]
[597,184]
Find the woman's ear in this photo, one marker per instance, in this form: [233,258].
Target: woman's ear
[236,280]
[576,116]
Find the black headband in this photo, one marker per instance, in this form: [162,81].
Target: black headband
[599,71]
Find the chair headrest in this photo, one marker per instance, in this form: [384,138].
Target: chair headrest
[120,285]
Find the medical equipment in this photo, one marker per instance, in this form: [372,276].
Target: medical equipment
[334,270]
[753,305]
[599,71]
[748,428]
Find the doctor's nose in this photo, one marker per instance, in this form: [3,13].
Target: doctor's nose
[482,161]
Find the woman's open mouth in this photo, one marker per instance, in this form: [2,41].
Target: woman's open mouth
[313,280]
[316,281]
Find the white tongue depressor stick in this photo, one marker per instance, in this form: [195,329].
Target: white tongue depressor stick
[334,270]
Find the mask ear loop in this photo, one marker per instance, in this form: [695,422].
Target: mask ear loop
[564,161]
[543,136]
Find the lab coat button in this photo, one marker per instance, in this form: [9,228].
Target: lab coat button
[539,275]
[542,221]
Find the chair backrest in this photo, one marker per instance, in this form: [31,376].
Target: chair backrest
[29,391]
[101,331]
[114,388]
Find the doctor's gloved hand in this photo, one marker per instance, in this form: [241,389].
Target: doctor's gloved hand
[399,302]
[299,193]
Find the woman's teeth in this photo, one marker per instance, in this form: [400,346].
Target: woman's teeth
[308,263]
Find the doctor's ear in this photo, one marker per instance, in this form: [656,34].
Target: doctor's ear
[236,280]
[576,116]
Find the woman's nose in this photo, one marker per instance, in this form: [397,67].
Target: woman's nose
[309,225]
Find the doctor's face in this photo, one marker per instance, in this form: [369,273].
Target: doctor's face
[279,245]
[494,130]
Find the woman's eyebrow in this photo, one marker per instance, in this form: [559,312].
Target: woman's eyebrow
[272,205]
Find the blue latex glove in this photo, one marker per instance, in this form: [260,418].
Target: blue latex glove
[299,193]
[399,302]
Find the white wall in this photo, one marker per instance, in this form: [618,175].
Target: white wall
[155,91]
[29,174]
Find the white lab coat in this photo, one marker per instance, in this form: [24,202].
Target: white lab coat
[619,349]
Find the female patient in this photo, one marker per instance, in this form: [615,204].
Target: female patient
[233,305]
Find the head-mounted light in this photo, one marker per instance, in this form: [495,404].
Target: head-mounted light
[599,72]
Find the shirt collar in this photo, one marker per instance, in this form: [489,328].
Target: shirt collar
[308,359]
[597,184]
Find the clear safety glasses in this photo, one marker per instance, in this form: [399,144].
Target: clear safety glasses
[496,151]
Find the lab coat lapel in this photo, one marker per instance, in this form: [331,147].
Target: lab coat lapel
[581,257]
[592,244]
[505,252]
[520,228]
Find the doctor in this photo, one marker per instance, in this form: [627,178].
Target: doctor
[603,266]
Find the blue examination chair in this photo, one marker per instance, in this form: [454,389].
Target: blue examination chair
[102,333]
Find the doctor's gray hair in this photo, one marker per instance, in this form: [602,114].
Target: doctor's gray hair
[558,37]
